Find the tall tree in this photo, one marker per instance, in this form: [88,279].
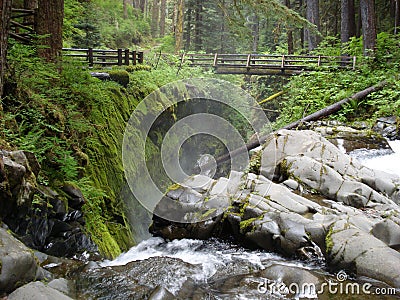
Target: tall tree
[198,25]
[396,14]
[163,16]
[312,14]
[155,15]
[188,31]
[255,28]
[5,7]
[50,16]
[30,4]
[348,21]
[179,25]
[125,5]
[368,21]
[290,42]
[140,4]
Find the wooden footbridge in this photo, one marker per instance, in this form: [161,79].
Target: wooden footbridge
[266,64]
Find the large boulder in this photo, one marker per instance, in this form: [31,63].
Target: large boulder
[37,291]
[18,171]
[353,249]
[18,264]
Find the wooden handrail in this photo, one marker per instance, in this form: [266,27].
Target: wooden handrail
[106,57]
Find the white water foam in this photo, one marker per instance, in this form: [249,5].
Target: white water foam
[211,255]
[381,159]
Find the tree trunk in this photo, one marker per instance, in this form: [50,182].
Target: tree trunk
[5,7]
[313,17]
[198,26]
[352,19]
[188,31]
[125,4]
[256,33]
[50,16]
[344,24]
[30,4]
[289,33]
[163,16]
[368,25]
[179,26]
[155,13]
[139,4]
[348,22]
[396,15]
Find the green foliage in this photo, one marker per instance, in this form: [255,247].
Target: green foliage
[308,93]
[167,44]
[139,67]
[101,23]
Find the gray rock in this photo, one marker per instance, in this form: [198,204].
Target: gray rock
[62,285]
[161,293]
[17,182]
[353,249]
[18,263]
[388,232]
[199,182]
[220,187]
[37,291]
[292,184]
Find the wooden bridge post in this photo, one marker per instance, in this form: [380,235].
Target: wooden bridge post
[319,60]
[104,59]
[215,60]
[283,62]
[134,57]
[183,58]
[119,57]
[354,62]
[126,58]
[248,61]
[141,57]
[90,56]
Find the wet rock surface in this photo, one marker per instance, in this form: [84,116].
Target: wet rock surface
[42,218]
[352,224]
[37,291]
[352,137]
[388,127]
[136,280]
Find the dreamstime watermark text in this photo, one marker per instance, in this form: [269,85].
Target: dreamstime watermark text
[310,290]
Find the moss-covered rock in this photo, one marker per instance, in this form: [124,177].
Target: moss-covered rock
[120,76]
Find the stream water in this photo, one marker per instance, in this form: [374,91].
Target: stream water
[232,272]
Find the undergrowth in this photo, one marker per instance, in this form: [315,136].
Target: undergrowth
[310,92]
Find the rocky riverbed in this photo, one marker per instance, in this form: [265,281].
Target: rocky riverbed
[307,200]
[304,214]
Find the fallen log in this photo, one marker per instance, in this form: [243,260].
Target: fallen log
[313,117]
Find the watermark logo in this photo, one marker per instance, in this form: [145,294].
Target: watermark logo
[341,286]
[176,127]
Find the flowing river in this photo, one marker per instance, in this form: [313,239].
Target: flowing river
[227,271]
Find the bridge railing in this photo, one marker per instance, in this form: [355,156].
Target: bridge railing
[22,24]
[108,57]
[264,61]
